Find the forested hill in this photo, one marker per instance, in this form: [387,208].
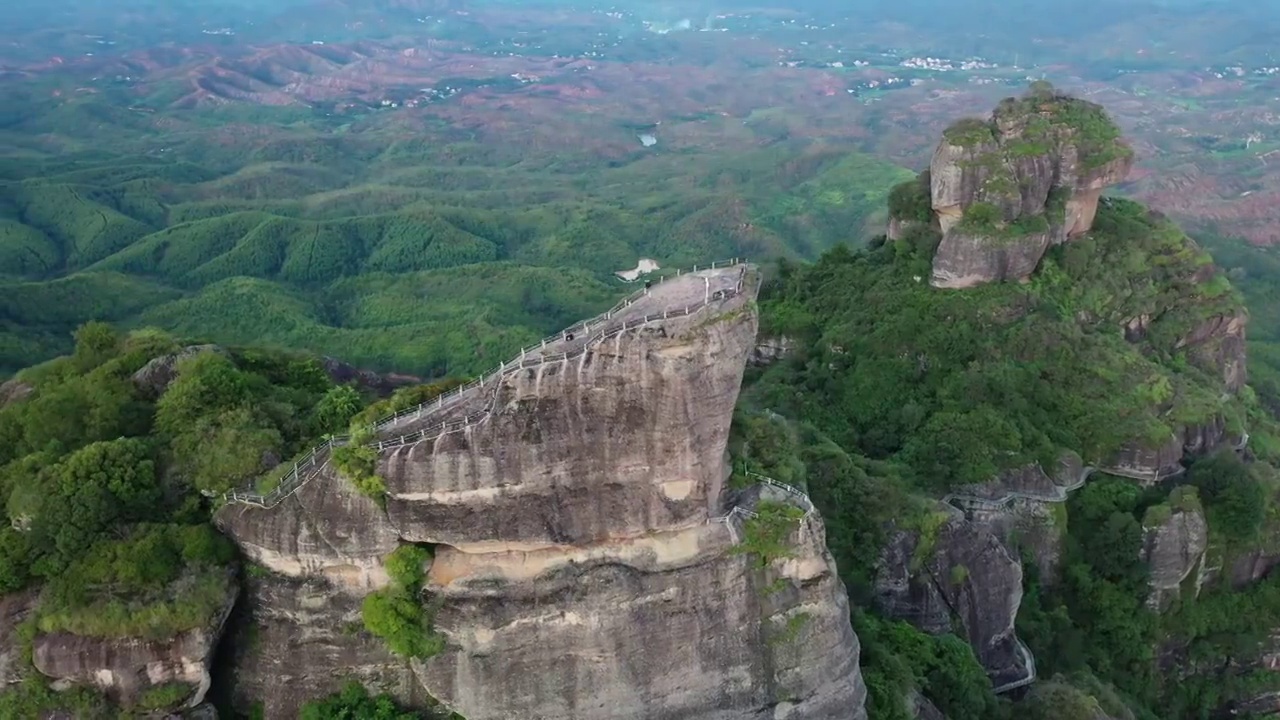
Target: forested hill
[285,227]
[1026,423]
[1084,425]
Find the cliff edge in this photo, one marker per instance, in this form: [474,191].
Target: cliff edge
[590,560]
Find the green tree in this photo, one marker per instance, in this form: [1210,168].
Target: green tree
[96,342]
[396,615]
[334,411]
[15,560]
[94,489]
[956,682]
[1235,502]
[355,703]
[206,384]
[962,447]
[225,450]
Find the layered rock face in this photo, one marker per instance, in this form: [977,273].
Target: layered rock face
[587,563]
[959,573]
[672,625]
[15,608]
[1176,538]
[1001,191]
[126,667]
[1025,507]
[302,639]
[624,440]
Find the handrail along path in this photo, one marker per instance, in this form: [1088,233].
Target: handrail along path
[578,338]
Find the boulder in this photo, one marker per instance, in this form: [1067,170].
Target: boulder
[1176,537]
[124,668]
[154,377]
[966,259]
[12,391]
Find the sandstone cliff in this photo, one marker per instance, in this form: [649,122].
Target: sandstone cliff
[1026,508]
[124,668]
[587,562]
[1176,537]
[672,625]
[956,576]
[300,639]
[1002,190]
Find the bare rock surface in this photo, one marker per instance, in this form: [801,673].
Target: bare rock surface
[346,374]
[304,639]
[958,578]
[12,391]
[584,567]
[672,626]
[324,529]
[14,609]
[154,377]
[1004,189]
[126,667]
[1176,537]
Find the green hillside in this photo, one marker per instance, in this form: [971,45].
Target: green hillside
[897,393]
[270,226]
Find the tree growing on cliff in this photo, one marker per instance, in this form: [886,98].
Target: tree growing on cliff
[396,613]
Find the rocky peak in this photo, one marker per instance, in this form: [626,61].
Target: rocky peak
[1001,190]
[591,560]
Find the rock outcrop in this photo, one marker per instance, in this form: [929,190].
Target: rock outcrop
[303,638]
[12,391]
[771,349]
[1147,462]
[955,575]
[672,625]
[366,380]
[15,608]
[1003,190]
[1219,342]
[1176,537]
[587,562]
[154,377]
[921,709]
[1026,508]
[124,668]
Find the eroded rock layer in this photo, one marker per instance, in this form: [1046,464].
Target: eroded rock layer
[957,577]
[587,562]
[673,626]
[302,638]
[1001,191]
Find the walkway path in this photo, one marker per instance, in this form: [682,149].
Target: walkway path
[954,501]
[671,297]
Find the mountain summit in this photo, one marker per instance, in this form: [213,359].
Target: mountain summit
[1001,191]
